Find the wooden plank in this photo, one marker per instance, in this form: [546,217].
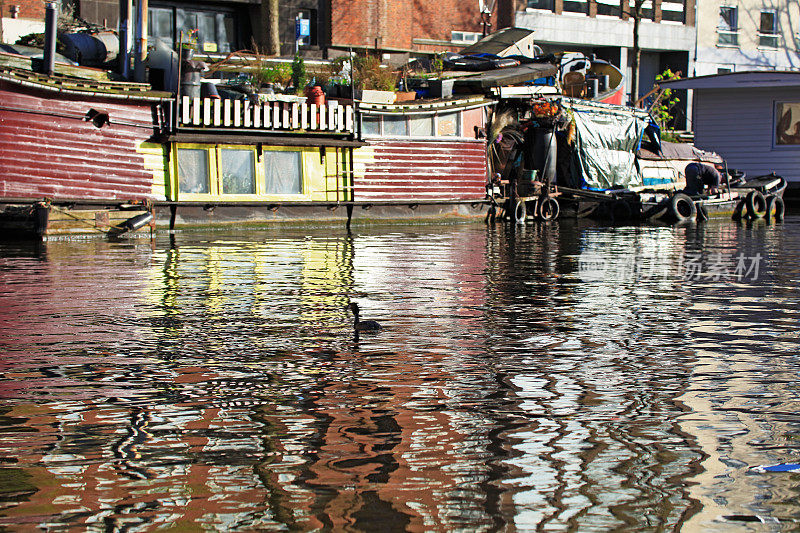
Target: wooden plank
[323,117]
[295,116]
[313,125]
[196,111]
[256,115]
[246,112]
[217,112]
[226,120]
[339,118]
[348,125]
[206,111]
[186,109]
[237,113]
[285,123]
[304,116]
[268,115]
[332,117]
[276,115]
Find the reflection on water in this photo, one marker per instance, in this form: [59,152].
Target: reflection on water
[215,380]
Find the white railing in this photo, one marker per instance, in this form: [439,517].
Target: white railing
[280,116]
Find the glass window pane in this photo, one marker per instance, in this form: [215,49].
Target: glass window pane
[420,126]
[207,32]
[238,176]
[160,25]
[226,33]
[729,38]
[394,126]
[768,41]
[448,125]
[575,7]
[541,4]
[371,125]
[767,22]
[193,171]
[282,172]
[727,18]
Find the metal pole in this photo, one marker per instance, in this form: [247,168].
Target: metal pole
[140,43]
[124,41]
[50,23]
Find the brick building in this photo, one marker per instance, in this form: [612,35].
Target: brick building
[20,17]
[400,26]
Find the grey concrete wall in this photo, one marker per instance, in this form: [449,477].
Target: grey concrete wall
[581,30]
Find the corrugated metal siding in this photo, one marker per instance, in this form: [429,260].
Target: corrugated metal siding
[739,125]
[45,154]
[423,170]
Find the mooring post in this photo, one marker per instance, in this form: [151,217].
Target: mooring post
[173,214]
[349,215]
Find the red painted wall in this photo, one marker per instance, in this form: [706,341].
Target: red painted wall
[47,150]
[424,170]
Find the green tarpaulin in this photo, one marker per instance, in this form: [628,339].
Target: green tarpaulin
[606,146]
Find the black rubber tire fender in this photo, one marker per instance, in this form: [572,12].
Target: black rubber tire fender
[756,204]
[775,203]
[702,212]
[682,207]
[548,208]
[520,212]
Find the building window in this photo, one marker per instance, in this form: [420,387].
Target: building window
[282,172]
[548,5]
[768,30]
[447,124]
[576,6]
[394,126]
[728,27]
[465,37]
[609,8]
[193,171]
[208,170]
[724,70]
[787,123]
[673,10]
[238,171]
[213,30]
[420,126]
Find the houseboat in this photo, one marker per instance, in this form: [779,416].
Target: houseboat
[83,152]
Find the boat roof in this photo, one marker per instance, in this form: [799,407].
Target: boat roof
[498,42]
[73,80]
[679,151]
[482,81]
[424,106]
[737,80]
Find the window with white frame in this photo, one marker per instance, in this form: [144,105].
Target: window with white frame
[548,5]
[673,10]
[575,6]
[441,124]
[609,8]
[768,29]
[728,27]
[465,37]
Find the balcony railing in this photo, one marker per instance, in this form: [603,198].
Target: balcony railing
[289,117]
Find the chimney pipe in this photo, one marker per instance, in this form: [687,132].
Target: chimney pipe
[49,55]
[124,43]
[140,41]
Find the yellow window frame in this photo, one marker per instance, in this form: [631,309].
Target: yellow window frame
[213,158]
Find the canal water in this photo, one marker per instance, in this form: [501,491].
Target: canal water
[561,377]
